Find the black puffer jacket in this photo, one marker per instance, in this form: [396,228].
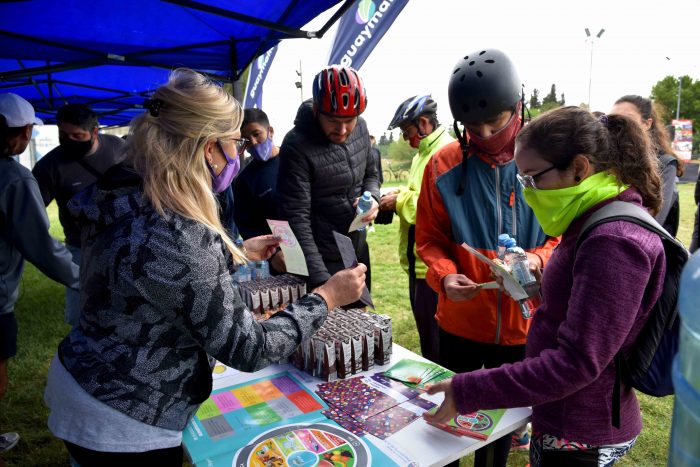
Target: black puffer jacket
[317,184]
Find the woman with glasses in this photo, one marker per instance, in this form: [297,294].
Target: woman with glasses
[595,297]
[157,297]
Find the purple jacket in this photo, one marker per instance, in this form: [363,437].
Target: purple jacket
[594,303]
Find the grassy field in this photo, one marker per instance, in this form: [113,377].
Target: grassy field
[40,316]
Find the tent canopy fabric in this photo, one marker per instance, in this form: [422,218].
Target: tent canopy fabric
[113,54]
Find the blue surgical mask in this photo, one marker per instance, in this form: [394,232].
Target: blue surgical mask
[262,151]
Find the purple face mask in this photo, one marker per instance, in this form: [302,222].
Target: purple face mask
[262,151]
[223,180]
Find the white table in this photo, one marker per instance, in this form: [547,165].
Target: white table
[418,442]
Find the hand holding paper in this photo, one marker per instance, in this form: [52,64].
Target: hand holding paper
[510,283]
[347,253]
[293,254]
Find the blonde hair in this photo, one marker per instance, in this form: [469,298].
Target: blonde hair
[167,150]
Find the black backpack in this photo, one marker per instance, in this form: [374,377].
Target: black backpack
[647,366]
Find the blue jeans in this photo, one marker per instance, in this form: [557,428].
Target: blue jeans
[72,309]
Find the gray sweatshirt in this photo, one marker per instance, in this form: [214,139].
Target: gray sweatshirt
[24,234]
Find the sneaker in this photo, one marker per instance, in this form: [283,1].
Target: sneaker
[520,442]
[8,441]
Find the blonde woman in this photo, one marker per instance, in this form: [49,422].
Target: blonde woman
[157,297]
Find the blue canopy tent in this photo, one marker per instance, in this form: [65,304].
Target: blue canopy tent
[112,54]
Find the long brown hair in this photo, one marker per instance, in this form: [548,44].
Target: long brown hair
[659,136]
[613,143]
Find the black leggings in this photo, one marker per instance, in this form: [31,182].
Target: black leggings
[463,355]
[160,457]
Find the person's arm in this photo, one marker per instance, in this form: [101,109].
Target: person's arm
[697,190]
[294,202]
[27,228]
[370,181]
[407,204]
[598,322]
[433,232]
[42,174]
[668,186]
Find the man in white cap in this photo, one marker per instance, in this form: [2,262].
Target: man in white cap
[24,232]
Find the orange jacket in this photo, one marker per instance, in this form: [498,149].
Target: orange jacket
[492,203]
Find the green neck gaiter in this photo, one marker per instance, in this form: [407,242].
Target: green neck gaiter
[556,209]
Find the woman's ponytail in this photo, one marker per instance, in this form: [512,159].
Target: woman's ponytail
[632,159]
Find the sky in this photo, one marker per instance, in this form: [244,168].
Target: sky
[544,38]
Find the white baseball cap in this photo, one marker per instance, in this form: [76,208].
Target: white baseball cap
[17,111]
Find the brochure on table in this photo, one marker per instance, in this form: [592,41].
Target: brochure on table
[417,443]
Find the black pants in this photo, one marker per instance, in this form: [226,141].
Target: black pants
[424,302]
[463,355]
[160,457]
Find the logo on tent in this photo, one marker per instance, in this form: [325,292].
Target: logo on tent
[365,10]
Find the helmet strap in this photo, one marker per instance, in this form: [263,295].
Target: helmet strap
[522,108]
[464,145]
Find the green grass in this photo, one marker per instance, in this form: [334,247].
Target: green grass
[40,317]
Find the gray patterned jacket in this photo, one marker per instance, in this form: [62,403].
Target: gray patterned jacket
[156,298]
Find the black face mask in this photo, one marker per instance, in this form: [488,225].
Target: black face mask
[75,149]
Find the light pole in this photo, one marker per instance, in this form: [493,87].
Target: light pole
[678,102]
[590,69]
[299,84]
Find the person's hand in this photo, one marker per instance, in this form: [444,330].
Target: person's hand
[459,287]
[448,409]
[534,260]
[262,247]
[388,201]
[277,262]
[343,287]
[371,213]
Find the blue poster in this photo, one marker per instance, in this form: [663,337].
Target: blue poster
[361,28]
[256,78]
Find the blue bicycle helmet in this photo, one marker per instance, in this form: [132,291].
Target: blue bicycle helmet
[412,108]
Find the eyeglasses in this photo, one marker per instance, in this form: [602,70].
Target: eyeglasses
[404,131]
[241,144]
[528,181]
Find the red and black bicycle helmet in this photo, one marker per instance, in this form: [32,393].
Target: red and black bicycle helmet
[339,91]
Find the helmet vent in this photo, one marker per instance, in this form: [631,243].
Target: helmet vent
[479,74]
[461,78]
[490,61]
[482,104]
[472,63]
[467,57]
[482,53]
[456,70]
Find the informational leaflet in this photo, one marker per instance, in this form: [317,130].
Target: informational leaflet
[510,283]
[347,253]
[293,254]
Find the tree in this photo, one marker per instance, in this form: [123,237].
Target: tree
[382,140]
[562,102]
[400,151]
[551,98]
[391,137]
[535,99]
[665,95]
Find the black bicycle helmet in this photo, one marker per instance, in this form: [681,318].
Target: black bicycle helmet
[412,108]
[483,84]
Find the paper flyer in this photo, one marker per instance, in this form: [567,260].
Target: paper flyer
[293,255]
[357,222]
[509,282]
[347,253]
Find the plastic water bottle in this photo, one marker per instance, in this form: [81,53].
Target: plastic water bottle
[502,239]
[262,270]
[364,205]
[516,258]
[685,431]
[242,274]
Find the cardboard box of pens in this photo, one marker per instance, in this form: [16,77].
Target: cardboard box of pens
[349,342]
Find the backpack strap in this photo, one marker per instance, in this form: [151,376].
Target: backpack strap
[622,211]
